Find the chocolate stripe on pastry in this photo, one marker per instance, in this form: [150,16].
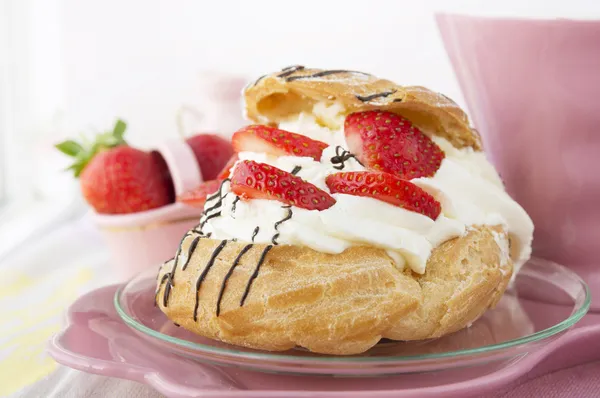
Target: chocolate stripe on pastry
[158,275]
[162,280]
[448,98]
[290,70]
[368,98]
[278,223]
[258,80]
[202,276]
[295,67]
[255,273]
[228,275]
[324,73]
[190,252]
[171,275]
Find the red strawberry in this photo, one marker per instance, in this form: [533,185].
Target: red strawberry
[116,178]
[387,188]
[384,141]
[224,174]
[197,197]
[212,152]
[259,138]
[124,180]
[253,180]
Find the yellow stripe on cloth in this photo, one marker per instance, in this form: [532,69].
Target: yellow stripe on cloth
[32,313]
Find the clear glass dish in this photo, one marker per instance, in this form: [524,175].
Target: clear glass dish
[545,300]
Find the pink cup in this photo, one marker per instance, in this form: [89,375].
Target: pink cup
[533,89]
[146,239]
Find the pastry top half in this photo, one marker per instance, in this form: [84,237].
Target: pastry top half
[271,275]
[280,95]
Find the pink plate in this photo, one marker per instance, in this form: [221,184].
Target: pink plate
[522,333]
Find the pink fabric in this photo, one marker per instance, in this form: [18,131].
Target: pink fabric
[577,381]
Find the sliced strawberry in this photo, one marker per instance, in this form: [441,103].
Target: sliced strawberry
[387,188]
[384,141]
[259,138]
[253,180]
[224,174]
[197,197]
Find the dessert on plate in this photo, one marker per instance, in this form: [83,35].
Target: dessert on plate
[355,210]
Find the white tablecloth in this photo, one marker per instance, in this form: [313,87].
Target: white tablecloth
[69,383]
[39,280]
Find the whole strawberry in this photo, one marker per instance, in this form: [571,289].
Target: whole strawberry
[212,153]
[116,178]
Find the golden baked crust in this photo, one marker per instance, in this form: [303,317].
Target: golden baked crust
[281,94]
[331,303]
[464,277]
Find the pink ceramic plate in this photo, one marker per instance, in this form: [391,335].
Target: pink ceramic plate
[96,340]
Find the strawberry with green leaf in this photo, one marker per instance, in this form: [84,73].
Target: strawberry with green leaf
[84,152]
[116,178]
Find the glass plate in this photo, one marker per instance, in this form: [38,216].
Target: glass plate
[545,300]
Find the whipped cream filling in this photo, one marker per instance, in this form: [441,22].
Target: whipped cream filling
[466,184]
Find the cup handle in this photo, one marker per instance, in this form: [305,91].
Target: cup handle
[182,164]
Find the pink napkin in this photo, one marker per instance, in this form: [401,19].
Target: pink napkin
[577,381]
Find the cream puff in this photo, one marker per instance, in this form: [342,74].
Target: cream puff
[357,210]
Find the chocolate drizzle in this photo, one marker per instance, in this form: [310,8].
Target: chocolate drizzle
[341,156]
[324,73]
[278,223]
[190,252]
[202,276]
[218,205]
[255,273]
[228,275]
[296,170]
[258,80]
[234,204]
[218,194]
[170,276]
[368,98]
[290,70]
[162,280]
[217,214]
[448,98]
[255,233]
